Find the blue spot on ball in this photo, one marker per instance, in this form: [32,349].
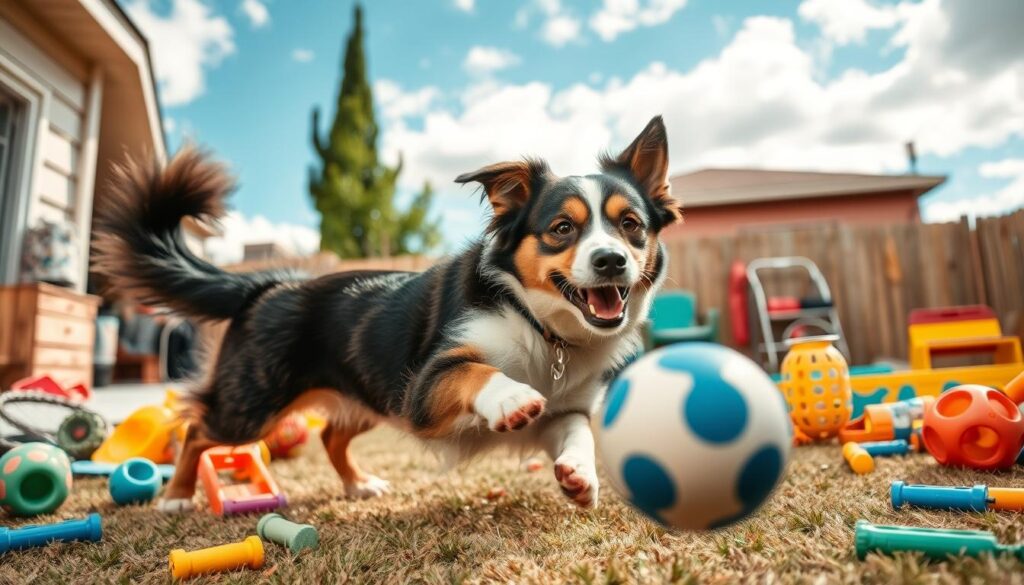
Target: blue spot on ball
[651,488]
[756,480]
[714,410]
[616,398]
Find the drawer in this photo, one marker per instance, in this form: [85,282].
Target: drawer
[65,306]
[65,331]
[65,358]
[65,376]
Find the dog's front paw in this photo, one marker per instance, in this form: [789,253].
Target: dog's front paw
[368,486]
[509,406]
[175,505]
[578,480]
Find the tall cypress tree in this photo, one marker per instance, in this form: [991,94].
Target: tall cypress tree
[352,190]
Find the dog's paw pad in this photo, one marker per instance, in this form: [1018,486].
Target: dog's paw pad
[175,505]
[578,481]
[370,486]
[516,408]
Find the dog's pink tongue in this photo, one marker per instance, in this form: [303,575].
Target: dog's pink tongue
[605,302]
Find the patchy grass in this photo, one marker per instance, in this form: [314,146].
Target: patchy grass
[440,528]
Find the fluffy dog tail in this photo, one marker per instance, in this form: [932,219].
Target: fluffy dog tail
[139,248]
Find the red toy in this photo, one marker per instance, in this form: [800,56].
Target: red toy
[289,434]
[974,426]
[47,384]
[237,481]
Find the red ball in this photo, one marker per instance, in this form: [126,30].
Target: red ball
[290,433]
[974,426]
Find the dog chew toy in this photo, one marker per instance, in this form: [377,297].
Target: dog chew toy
[105,469]
[81,433]
[887,422]
[14,412]
[860,456]
[935,543]
[254,489]
[248,553]
[288,435]
[295,536]
[974,426]
[977,498]
[134,482]
[35,478]
[816,385]
[147,432]
[89,529]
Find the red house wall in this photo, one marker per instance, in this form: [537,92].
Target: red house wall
[898,207]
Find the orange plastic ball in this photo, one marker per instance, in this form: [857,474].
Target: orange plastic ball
[974,426]
[289,434]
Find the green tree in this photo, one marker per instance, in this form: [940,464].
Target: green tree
[353,191]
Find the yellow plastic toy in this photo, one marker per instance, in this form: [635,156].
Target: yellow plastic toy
[857,457]
[147,432]
[937,334]
[816,385]
[248,553]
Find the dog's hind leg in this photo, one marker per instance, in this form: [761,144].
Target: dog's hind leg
[182,486]
[337,437]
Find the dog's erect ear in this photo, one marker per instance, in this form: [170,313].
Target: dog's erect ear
[646,160]
[508,185]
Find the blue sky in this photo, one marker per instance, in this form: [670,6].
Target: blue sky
[817,84]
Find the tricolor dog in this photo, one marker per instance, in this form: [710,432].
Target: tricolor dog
[509,343]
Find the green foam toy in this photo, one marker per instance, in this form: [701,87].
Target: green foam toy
[936,543]
[35,478]
[295,536]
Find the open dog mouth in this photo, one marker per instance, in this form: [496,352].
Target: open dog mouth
[601,306]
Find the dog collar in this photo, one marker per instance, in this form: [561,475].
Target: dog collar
[558,344]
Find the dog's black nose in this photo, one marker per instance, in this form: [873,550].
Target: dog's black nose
[608,263]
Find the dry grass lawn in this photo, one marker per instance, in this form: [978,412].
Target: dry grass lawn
[441,529]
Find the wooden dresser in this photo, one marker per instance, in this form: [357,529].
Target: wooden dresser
[46,329]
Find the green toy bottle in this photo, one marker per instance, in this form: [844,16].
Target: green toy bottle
[936,543]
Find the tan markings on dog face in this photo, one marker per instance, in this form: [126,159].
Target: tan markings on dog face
[651,253]
[576,210]
[615,206]
[535,268]
[454,394]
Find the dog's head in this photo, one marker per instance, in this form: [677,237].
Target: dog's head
[583,251]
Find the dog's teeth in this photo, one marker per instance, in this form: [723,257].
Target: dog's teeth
[592,310]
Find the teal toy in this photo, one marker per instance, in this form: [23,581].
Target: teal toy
[89,529]
[884,448]
[974,498]
[135,481]
[295,536]
[105,469]
[35,478]
[935,543]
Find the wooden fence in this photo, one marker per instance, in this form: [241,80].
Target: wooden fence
[876,274]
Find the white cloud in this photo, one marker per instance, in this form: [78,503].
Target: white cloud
[239,230]
[169,124]
[758,102]
[560,30]
[302,55]
[619,16]
[1005,200]
[486,60]
[848,21]
[395,103]
[465,5]
[558,26]
[185,42]
[256,12]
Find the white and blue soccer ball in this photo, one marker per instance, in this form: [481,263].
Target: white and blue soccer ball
[694,435]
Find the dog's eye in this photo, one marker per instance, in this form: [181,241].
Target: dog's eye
[562,228]
[630,224]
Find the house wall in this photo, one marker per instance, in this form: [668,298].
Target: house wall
[882,208]
[62,90]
